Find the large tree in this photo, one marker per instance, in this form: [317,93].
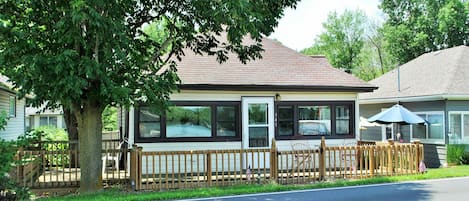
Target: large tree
[342,39]
[88,54]
[415,27]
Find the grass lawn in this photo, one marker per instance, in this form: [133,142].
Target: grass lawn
[116,195]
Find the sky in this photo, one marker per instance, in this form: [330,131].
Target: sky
[298,27]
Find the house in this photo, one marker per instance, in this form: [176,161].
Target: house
[435,86]
[14,109]
[37,116]
[284,96]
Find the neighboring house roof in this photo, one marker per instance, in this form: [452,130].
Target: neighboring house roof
[5,84]
[436,75]
[280,68]
[41,111]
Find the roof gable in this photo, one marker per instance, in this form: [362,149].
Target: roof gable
[280,67]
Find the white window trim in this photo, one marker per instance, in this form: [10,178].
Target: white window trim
[426,128]
[461,123]
[9,106]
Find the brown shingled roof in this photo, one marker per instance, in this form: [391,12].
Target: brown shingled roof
[440,73]
[280,68]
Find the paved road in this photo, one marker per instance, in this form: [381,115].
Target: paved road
[435,190]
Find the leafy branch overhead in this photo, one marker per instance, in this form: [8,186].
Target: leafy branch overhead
[79,46]
[88,54]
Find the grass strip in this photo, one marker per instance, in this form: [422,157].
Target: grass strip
[117,195]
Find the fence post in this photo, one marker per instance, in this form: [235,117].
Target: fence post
[209,169]
[134,167]
[417,152]
[273,161]
[372,160]
[390,162]
[20,167]
[322,159]
[139,168]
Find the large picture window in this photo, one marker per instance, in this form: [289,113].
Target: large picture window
[458,127]
[298,120]
[190,121]
[432,131]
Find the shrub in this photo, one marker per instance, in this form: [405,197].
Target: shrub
[11,191]
[456,154]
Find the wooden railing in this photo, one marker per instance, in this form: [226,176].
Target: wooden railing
[54,164]
[203,168]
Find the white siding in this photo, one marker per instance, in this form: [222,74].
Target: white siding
[15,125]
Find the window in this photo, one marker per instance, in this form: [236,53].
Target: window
[285,120]
[190,121]
[48,121]
[12,107]
[342,119]
[298,120]
[149,123]
[258,125]
[432,131]
[458,127]
[226,121]
[314,120]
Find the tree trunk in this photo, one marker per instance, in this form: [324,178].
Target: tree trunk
[72,130]
[90,144]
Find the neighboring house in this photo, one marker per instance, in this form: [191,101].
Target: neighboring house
[285,95]
[14,108]
[36,117]
[435,86]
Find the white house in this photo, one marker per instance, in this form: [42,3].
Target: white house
[285,96]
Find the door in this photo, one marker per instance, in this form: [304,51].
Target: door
[258,131]
[258,122]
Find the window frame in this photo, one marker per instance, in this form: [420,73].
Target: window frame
[427,139]
[12,99]
[48,117]
[214,123]
[332,105]
[461,114]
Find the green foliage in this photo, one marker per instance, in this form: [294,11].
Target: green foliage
[3,119]
[415,27]
[103,56]
[52,140]
[456,154]
[8,150]
[354,43]
[110,119]
[342,39]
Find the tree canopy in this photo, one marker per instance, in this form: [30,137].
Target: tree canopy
[342,39]
[415,27]
[87,54]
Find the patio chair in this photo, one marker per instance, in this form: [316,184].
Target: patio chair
[113,155]
[302,156]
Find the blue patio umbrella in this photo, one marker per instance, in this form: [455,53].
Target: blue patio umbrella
[397,114]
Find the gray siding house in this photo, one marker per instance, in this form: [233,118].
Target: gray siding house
[435,86]
[14,109]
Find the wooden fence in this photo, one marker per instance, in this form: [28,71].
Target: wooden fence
[54,164]
[204,168]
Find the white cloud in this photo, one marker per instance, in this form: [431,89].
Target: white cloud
[298,28]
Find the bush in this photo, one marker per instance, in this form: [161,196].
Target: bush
[50,134]
[8,186]
[456,154]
